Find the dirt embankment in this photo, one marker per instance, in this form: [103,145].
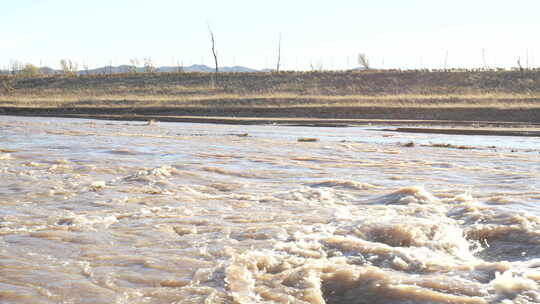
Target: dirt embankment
[472,96]
[359,113]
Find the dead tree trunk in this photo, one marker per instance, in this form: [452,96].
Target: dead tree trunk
[278,54]
[213,48]
[363,61]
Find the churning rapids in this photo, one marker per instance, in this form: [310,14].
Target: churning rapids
[118,212]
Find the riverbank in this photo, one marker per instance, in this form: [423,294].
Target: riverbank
[469,97]
[342,116]
[450,127]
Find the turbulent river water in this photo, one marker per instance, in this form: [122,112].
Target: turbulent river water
[125,212]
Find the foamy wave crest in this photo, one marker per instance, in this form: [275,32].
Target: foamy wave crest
[406,196]
[405,247]
[273,277]
[315,196]
[344,184]
[161,172]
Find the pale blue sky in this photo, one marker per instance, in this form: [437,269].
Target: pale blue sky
[327,34]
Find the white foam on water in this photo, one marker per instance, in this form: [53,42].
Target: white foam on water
[264,219]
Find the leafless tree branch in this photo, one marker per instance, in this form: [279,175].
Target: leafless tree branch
[279,54]
[213,47]
[363,61]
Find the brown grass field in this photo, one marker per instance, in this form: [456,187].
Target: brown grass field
[474,96]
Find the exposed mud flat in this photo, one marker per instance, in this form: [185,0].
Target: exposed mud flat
[117,212]
[300,116]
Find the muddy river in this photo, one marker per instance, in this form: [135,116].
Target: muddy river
[126,212]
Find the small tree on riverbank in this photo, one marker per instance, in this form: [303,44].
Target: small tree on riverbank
[213,48]
[16,67]
[278,54]
[213,78]
[69,67]
[134,64]
[149,66]
[30,70]
[363,61]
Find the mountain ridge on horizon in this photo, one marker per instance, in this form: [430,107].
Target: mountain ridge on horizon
[136,69]
[125,68]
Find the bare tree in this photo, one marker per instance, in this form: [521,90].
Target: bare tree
[213,47]
[134,64]
[69,67]
[363,61]
[149,66]
[527,59]
[86,68]
[16,67]
[179,67]
[30,70]
[278,54]
[484,64]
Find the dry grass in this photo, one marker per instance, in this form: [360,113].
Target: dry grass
[290,93]
[286,100]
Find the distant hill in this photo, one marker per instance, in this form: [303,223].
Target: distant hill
[48,71]
[238,69]
[164,69]
[108,70]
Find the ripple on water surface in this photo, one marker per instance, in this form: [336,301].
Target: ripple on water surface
[106,212]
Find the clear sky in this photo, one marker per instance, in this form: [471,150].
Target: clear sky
[320,34]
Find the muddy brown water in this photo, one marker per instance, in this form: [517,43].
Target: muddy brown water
[120,212]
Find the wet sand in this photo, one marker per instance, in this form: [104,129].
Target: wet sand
[501,131]
[457,127]
[296,115]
